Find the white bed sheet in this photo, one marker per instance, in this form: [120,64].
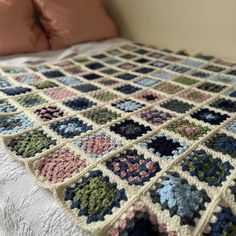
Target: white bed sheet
[25,208]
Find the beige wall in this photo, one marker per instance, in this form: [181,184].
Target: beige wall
[207,26]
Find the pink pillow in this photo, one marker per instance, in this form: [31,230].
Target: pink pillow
[68,22]
[18,32]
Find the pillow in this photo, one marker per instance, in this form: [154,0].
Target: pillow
[18,33]
[68,22]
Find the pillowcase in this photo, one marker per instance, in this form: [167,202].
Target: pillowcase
[18,32]
[68,22]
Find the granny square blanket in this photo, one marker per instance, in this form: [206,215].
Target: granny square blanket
[131,141]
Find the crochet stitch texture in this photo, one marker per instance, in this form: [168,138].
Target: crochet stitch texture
[131,141]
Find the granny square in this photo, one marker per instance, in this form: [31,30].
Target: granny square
[168,88]
[225,223]
[201,74]
[163,74]
[130,129]
[105,96]
[53,74]
[101,115]
[127,66]
[6,107]
[209,116]
[92,76]
[223,143]
[150,96]
[71,127]
[127,89]
[109,71]
[10,125]
[28,78]
[85,88]
[225,79]
[108,82]
[31,100]
[175,194]
[94,196]
[128,105]
[155,116]
[59,93]
[5,82]
[69,80]
[15,91]
[214,68]
[163,146]
[211,87]
[185,80]
[74,70]
[195,96]
[14,70]
[79,104]
[53,167]
[30,144]
[159,64]
[177,106]
[95,65]
[50,112]
[46,84]
[231,127]
[98,144]
[191,62]
[188,129]
[178,69]
[133,167]
[146,81]
[144,70]
[206,168]
[139,218]
[126,76]
[224,104]
[142,60]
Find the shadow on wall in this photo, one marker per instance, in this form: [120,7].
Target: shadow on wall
[197,26]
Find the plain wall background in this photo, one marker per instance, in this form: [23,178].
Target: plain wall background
[207,26]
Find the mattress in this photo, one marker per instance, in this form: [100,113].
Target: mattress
[135,141]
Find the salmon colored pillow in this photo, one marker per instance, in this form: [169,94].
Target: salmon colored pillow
[18,33]
[68,22]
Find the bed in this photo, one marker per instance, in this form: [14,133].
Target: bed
[21,198]
[193,124]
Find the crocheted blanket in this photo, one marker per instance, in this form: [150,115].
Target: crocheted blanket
[131,141]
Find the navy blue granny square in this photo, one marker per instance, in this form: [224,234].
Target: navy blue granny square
[126,76]
[177,106]
[85,88]
[53,74]
[127,89]
[222,143]
[209,116]
[224,104]
[130,129]
[164,147]
[95,65]
[15,91]
[79,104]
[92,76]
